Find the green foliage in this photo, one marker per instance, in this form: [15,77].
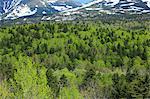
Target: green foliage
[4,91]
[31,78]
[75,60]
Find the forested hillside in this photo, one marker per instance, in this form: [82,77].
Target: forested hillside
[75,60]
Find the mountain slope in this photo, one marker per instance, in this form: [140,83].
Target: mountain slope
[136,6]
[13,9]
[123,6]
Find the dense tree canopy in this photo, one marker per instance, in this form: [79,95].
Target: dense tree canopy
[75,60]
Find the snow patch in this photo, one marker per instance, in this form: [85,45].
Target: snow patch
[20,11]
[52,1]
[61,8]
[10,5]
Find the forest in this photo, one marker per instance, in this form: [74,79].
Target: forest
[75,60]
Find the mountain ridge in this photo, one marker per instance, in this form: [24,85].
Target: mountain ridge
[13,9]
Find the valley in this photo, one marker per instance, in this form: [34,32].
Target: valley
[67,49]
[92,59]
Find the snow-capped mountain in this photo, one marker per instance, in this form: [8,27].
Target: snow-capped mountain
[132,6]
[12,9]
[61,5]
[20,11]
[122,6]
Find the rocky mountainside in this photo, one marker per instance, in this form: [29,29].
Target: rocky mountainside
[122,7]
[12,9]
[133,6]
